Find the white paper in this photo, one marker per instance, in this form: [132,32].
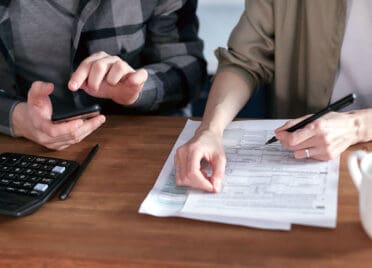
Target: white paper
[264,186]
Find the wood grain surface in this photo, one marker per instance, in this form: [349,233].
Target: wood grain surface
[99,226]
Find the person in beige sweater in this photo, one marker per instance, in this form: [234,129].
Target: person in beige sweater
[312,52]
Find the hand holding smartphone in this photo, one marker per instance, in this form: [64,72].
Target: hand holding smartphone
[68,114]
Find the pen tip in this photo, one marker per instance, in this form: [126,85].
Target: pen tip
[273,139]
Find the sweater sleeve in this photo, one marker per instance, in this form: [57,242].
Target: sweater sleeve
[7,105]
[174,57]
[250,51]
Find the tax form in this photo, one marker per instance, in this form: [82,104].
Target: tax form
[264,186]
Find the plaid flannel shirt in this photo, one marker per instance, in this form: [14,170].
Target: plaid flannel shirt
[158,35]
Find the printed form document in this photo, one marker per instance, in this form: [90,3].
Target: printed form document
[264,186]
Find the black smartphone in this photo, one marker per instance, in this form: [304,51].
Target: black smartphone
[67,114]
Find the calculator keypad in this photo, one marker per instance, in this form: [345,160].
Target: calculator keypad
[29,174]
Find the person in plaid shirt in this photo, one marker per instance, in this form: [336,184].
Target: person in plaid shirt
[132,56]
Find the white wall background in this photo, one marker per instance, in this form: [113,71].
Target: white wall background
[217,18]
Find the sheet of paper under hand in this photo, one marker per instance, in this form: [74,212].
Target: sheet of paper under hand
[264,186]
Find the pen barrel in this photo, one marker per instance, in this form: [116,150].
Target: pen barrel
[349,99]
[308,120]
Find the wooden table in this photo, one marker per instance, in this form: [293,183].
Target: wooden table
[99,226]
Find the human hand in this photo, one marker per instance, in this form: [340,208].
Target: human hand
[32,120]
[324,139]
[104,76]
[204,146]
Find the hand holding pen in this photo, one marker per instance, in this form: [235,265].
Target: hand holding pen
[323,135]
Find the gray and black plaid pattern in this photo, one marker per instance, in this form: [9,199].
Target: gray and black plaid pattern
[158,35]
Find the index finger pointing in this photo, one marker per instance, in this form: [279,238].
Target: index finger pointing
[81,74]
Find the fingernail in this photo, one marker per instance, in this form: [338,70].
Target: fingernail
[73,85]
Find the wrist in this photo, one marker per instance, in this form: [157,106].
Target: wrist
[209,128]
[18,118]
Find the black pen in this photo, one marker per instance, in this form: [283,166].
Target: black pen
[345,101]
[64,194]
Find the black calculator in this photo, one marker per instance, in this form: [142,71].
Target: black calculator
[28,181]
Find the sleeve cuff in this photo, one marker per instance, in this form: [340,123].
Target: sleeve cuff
[6,112]
[151,94]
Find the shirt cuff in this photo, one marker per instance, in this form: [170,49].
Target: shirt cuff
[6,112]
[150,95]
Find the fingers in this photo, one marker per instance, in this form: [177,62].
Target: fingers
[323,139]
[88,127]
[109,66]
[189,173]
[296,140]
[136,79]
[129,88]
[60,136]
[80,76]
[200,164]
[118,70]
[101,67]
[59,132]
[194,175]
[218,164]
[105,76]
[314,149]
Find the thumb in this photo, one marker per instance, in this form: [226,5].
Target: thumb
[38,95]
[136,79]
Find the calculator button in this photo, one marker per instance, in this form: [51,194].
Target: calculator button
[9,176]
[46,167]
[34,165]
[17,169]
[53,175]
[29,171]
[64,163]
[10,189]
[24,164]
[29,158]
[40,173]
[28,185]
[3,159]
[12,160]
[35,193]
[47,181]
[22,191]
[52,161]
[5,168]
[40,159]
[33,179]
[41,187]
[16,183]
[59,169]
[4,181]
[22,177]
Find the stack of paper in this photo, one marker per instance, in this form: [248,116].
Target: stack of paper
[264,186]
